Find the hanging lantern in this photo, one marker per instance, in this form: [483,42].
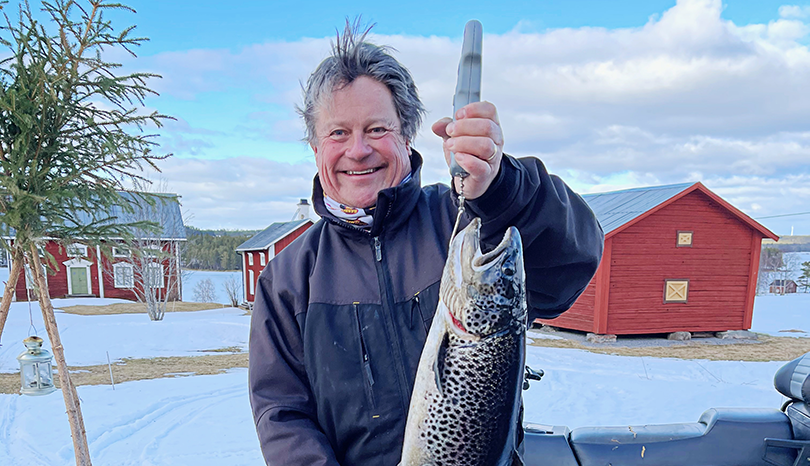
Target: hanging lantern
[36,372]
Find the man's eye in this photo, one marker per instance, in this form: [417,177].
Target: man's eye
[339,134]
[378,131]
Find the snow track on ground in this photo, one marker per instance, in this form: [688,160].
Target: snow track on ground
[148,429]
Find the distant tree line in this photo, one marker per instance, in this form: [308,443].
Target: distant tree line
[790,247]
[214,249]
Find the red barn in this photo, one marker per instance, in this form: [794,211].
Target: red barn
[260,249]
[84,271]
[677,258]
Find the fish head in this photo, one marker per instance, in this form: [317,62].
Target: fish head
[484,292]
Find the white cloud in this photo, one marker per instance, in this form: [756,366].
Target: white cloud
[237,192]
[794,11]
[686,96]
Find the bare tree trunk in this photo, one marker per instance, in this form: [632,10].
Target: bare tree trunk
[14,274]
[69,392]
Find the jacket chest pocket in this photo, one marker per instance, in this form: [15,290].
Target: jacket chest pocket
[375,359]
[365,360]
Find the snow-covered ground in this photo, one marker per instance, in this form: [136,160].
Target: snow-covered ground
[206,420]
[87,339]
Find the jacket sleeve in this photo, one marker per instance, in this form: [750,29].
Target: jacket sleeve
[562,239]
[280,397]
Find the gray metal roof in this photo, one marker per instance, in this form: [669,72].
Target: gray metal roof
[164,210]
[270,235]
[616,208]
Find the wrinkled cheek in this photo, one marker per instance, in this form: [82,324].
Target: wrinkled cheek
[327,176]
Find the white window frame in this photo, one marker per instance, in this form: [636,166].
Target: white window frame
[151,272]
[121,251]
[120,277]
[152,252]
[252,282]
[250,258]
[76,250]
[262,259]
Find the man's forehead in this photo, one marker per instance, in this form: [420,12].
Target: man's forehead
[357,108]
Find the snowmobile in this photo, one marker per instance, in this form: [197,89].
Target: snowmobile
[721,437]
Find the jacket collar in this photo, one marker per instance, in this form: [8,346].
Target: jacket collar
[394,205]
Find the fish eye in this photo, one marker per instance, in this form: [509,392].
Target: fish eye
[508,268]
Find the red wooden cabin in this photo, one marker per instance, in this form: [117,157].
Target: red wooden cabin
[261,248]
[677,258]
[782,287]
[79,270]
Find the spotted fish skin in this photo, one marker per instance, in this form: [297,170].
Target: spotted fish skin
[467,394]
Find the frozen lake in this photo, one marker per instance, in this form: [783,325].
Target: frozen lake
[192,277]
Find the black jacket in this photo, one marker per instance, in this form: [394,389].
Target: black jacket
[341,315]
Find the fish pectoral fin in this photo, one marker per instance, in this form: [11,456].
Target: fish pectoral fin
[438,364]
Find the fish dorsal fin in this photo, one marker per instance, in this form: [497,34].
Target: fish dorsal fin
[438,365]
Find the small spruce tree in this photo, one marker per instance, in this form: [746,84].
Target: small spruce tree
[71,136]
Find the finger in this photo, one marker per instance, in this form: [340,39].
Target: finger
[477,168]
[483,148]
[481,109]
[476,127]
[440,127]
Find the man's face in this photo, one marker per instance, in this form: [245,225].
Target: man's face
[359,148]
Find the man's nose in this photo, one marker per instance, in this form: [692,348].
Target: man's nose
[358,146]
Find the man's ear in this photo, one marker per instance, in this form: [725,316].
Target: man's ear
[314,148]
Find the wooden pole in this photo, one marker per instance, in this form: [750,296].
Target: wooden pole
[69,392]
[14,274]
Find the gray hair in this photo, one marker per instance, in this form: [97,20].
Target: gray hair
[351,58]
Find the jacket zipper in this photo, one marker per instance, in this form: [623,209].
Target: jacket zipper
[377,249]
[364,355]
[390,328]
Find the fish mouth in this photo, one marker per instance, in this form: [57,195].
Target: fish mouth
[482,261]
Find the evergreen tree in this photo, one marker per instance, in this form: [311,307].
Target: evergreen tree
[71,134]
[804,278]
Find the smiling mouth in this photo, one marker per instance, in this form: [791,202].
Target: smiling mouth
[361,172]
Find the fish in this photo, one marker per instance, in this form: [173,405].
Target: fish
[466,400]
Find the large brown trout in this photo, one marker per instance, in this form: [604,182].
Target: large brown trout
[467,394]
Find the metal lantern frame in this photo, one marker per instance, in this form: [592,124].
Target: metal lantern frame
[36,368]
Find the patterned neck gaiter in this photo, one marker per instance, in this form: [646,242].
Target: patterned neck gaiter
[356,216]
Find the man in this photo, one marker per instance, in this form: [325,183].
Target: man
[341,314]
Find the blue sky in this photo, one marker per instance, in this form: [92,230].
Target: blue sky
[186,24]
[610,95]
